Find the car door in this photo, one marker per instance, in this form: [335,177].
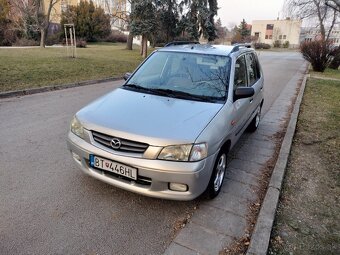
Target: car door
[254,81]
[240,106]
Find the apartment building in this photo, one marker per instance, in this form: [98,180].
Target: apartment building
[269,31]
[115,8]
[311,33]
[58,8]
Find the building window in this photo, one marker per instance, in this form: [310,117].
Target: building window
[284,36]
[280,37]
[270,37]
[270,26]
[266,36]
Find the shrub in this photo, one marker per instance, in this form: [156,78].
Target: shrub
[54,39]
[26,42]
[116,36]
[277,44]
[266,46]
[81,44]
[335,63]
[257,46]
[318,53]
[7,34]
[286,44]
[91,22]
[5,42]
[183,38]
[261,46]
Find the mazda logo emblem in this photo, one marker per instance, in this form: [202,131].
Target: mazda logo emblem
[115,143]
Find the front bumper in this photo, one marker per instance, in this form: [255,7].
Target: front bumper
[154,175]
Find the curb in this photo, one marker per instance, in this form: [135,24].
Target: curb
[24,92]
[259,241]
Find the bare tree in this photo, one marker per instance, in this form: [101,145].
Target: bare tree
[334,4]
[43,19]
[325,16]
[22,13]
[118,11]
[33,16]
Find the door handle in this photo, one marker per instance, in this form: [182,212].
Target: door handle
[251,100]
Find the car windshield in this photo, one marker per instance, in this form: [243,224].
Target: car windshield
[190,76]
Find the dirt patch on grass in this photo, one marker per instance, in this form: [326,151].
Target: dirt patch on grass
[308,215]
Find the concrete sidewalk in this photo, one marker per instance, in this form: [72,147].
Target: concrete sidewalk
[218,224]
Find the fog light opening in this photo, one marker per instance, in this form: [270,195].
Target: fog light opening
[76,156]
[178,187]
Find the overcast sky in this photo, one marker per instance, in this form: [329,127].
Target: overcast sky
[233,11]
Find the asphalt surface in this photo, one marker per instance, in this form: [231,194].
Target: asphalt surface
[49,207]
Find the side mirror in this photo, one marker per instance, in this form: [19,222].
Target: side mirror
[127,76]
[243,92]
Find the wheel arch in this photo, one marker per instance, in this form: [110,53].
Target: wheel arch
[226,146]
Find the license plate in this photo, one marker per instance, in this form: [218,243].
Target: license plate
[113,167]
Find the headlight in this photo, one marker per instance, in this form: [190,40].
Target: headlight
[77,128]
[176,152]
[186,152]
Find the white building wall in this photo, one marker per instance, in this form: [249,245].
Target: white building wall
[312,33]
[283,30]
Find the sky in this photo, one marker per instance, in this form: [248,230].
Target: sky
[232,12]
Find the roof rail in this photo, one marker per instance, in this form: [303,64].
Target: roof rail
[180,43]
[237,46]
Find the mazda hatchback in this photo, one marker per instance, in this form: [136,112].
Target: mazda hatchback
[167,130]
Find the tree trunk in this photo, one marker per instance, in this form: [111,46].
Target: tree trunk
[145,47]
[43,34]
[153,41]
[142,46]
[321,18]
[129,42]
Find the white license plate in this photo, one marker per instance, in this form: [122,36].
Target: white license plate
[113,167]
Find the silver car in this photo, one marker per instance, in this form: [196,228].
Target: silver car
[167,131]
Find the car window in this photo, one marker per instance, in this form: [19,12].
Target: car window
[155,67]
[257,66]
[192,73]
[240,78]
[252,67]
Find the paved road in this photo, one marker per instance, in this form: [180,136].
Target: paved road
[49,207]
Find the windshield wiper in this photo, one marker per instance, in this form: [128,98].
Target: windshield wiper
[173,93]
[184,95]
[135,86]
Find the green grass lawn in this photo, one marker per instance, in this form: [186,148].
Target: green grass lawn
[32,68]
[308,215]
[328,73]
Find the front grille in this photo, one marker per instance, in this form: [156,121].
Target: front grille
[142,180]
[126,145]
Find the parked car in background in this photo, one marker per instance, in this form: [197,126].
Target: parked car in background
[167,131]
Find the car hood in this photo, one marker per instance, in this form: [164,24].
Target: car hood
[151,119]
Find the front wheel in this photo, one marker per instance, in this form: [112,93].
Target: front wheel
[254,124]
[217,177]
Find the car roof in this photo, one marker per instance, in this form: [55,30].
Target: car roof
[222,50]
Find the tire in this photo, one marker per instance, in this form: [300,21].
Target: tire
[253,125]
[217,177]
